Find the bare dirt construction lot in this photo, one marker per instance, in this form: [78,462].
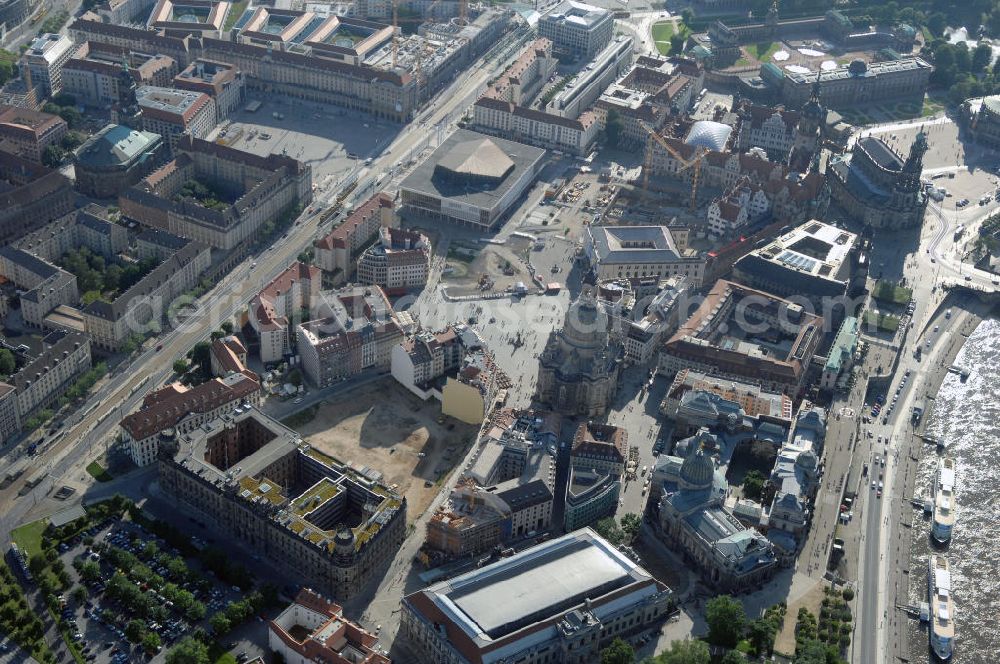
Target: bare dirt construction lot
[469,263]
[387,428]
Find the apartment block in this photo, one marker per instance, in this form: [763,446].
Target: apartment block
[334,252]
[256,190]
[399,261]
[273,311]
[47,286]
[355,332]
[26,133]
[180,409]
[31,196]
[44,61]
[141,308]
[46,376]
[10,416]
[420,360]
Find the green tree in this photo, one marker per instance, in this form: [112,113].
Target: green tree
[72,140]
[618,652]
[7,65]
[981,57]
[631,525]
[151,642]
[180,367]
[609,530]
[79,594]
[188,651]
[8,364]
[677,43]
[134,630]
[936,23]
[688,651]
[53,155]
[753,485]
[811,651]
[733,657]
[227,326]
[687,15]
[220,623]
[72,116]
[726,621]
[613,127]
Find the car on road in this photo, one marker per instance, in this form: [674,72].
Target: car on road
[159,347]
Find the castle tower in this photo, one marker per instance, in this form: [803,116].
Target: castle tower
[127,111]
[807,132]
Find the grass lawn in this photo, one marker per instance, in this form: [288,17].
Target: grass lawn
[29,536]
[883,322]
[663,31]
[763,50]
[99,472]
[234,13]
[931,107]
[890,292]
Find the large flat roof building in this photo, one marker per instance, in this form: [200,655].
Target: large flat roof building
[626,252]
[567,597]
[814,260]
[471,179]
[578,28]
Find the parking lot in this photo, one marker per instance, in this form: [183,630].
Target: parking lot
[334,141]
[138,595]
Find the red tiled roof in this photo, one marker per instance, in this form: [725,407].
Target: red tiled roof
[166,407]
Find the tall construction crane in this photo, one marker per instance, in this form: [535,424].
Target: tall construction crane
[694,162]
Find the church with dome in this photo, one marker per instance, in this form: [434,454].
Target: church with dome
[579,367]
[695,521]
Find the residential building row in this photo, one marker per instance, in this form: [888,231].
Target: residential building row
[40,379]
[140,309]
[355,331]
[31,195]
